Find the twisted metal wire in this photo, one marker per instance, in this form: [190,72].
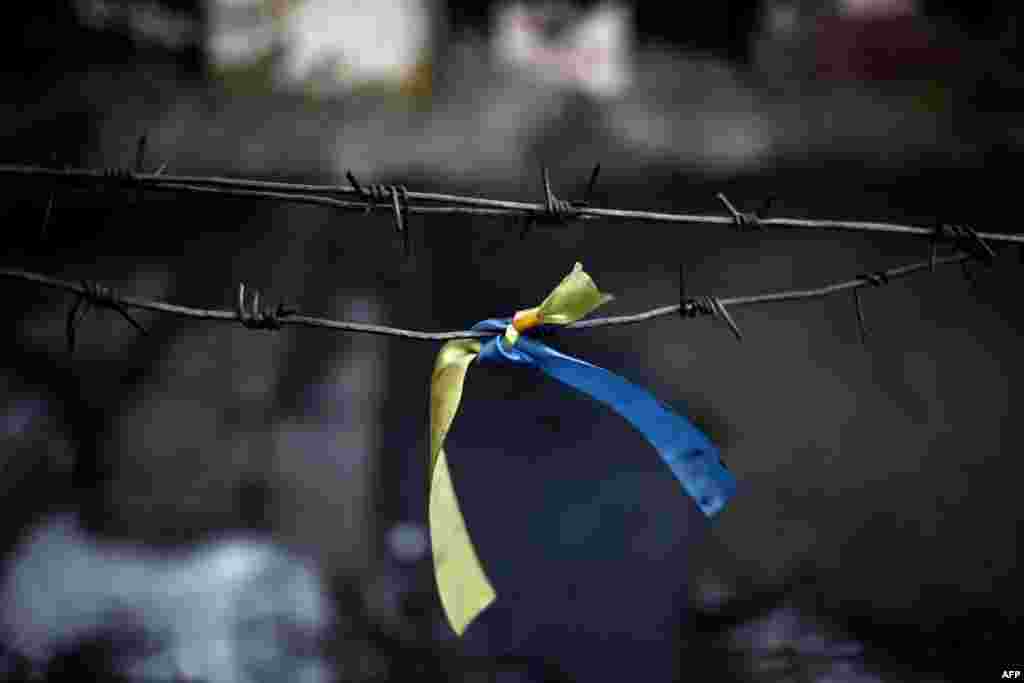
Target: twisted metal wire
[355,197]
[251,316]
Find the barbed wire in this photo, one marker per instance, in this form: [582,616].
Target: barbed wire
[969,244]
[396,199]
[249,312]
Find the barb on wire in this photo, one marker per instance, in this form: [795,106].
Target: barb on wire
[399,196]
[252,317]
[94,294]
[372,194]
[51,204]
[591,184]
[140,166]
[359,199]
[861,327]
[355,183]
[71,323]
[140,154]
[876,279]
[965,238]
[709,305]
[743,221]
[555,211]
[400,202]
[691,307]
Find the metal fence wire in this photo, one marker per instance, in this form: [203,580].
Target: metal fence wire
[966,244]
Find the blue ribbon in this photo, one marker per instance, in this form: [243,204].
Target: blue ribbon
[691,456]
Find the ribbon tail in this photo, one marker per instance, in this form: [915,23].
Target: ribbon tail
[464,587]
[688,452]
[462,584]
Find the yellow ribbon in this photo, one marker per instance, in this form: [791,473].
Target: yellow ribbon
[462,584]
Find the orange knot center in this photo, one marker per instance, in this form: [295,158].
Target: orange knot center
[524,320]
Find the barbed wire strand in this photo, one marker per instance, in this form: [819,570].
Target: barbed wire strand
[352,198]
[277,318]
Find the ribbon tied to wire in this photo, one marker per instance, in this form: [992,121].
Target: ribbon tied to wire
[462,583]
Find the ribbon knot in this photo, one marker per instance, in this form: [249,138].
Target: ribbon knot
[462,583]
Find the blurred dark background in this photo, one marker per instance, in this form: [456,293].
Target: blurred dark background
[215,504]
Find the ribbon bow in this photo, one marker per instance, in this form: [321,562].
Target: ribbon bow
[463,586]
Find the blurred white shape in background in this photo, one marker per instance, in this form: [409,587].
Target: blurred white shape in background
[783,18]
[789,642]
[233,611]
[240,31]
[562,44]
[407,541]
[381,40]
[335,45]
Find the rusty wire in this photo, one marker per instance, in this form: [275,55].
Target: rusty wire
[355,197]
[252,316]
[968,243]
